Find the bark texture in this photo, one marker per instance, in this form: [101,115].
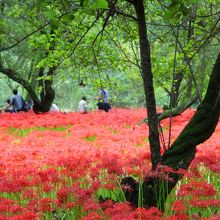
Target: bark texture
[147,77]
[182,152]
[47,96]
[178,110]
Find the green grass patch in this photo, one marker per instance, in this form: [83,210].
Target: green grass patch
[23,132]
[91,138]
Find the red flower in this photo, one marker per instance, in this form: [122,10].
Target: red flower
[178,206]
[63,194]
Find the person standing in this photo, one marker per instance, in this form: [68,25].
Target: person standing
[103,100]
[16,101]
[103,95]
[83,105]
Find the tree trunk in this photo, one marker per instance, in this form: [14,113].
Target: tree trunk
[182,152]
[174,94]
[200,127]
[47,94]
[174,112]
[147,77]
[178,110]
[40,104]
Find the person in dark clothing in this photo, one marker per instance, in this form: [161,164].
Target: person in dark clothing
[17,101]
[7,107]
[103,100]
[104,106]
[28,105]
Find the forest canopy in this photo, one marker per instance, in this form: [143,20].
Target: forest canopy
[97,42]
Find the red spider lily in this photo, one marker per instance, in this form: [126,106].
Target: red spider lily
[70,205]
[214,217]
[107,204]
[29,194]
[90,205]
[46,205]
[24,216]
[6,204]
[110,186]
[71,166]
[205,203]
[179,216]
[197,189]
[93,216]
[16,209]
[63,194]
[142,214]
[178,206]
[48,188]
[118,210]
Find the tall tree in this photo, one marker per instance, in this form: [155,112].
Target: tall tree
[182,151]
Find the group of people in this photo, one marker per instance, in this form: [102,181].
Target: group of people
[102,104]
[17,103]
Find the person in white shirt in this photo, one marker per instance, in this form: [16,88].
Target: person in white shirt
[83,105]
[54,108]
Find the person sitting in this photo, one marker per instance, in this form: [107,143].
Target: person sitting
[54,108]
[7,107]
[28,104]
[83,105]
[16,101]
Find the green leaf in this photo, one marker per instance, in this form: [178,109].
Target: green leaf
[68,17]
[102,4]
[51,15]
[173,6]
[185,10]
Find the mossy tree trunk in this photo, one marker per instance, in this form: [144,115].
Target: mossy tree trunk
[182,152]
[175,91]
[176,111]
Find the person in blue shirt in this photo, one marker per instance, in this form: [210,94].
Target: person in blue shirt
[103,100]
[17,101]
[103,95]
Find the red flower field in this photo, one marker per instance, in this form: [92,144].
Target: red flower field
[57,165]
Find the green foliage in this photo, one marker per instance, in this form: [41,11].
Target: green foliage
[18,132]
[204,212]
[64,36]
[178,9]
[95,4]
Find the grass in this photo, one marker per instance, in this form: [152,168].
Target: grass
[23,132]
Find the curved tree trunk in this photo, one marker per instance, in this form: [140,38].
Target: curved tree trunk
[178,110]
[40,104]
[174,112]
[182,152]
[200,127]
